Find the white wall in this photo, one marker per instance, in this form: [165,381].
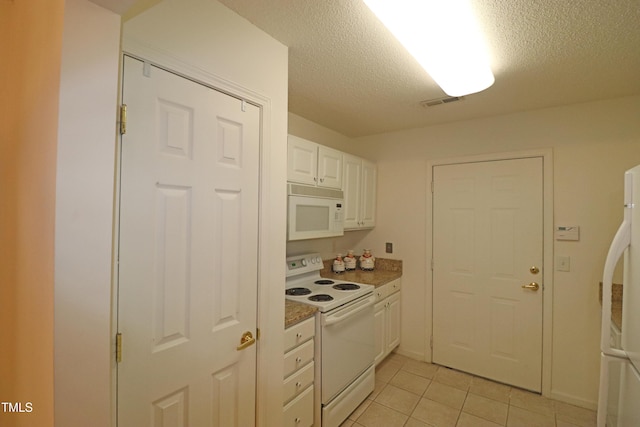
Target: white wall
[592,143]
[84,214]
[213,41]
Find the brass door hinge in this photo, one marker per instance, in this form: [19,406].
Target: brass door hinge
[119,347]
[123,119]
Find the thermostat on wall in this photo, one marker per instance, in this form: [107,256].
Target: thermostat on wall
[567,232]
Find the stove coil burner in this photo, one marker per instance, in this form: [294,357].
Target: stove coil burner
[321,298]
[324,282]
[298,291]
[346,286]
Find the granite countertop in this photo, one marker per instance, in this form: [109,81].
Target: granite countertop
[387,270]
[616,303]
[296,312]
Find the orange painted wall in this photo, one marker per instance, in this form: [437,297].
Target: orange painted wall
[30,53]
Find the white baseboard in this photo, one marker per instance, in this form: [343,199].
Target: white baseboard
[573,400]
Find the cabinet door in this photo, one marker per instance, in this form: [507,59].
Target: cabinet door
[351,186]
[302,161]
[380,315]
[368,198]
[393,322]
[329,167]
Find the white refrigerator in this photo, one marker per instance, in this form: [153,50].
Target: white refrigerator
[619,398]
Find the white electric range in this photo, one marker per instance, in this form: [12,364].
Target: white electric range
[305,285]
[345,373]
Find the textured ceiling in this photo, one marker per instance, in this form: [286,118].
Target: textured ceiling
[346,72]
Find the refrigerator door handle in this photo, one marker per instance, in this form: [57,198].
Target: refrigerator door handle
[603,392]
[620,242]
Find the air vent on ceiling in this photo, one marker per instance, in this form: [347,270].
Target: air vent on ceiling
[440,101]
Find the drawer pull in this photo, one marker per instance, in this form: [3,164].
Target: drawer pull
[298,384]
[297,420]
[298,359]
[299,335]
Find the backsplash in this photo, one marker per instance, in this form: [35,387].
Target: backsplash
[330,247]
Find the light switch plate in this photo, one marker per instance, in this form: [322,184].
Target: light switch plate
[563,263]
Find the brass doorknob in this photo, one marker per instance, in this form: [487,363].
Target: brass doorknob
[246,340]
[533,286]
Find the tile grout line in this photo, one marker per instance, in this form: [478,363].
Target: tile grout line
[400,365]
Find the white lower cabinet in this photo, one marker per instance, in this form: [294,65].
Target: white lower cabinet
[387,319]
[298,390]
[299,412]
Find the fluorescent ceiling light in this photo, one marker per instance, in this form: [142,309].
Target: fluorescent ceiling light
[443,36]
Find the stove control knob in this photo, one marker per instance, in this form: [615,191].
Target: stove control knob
[318,260]
[303,262]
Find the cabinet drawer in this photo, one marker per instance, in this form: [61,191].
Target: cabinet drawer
[299,412]
[380,293]
[298,382]
[297,334]
[298,357]
[393,286]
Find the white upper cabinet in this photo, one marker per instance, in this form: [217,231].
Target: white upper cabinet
[359,186]
[313,164]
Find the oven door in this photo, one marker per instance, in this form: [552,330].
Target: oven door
[347,341]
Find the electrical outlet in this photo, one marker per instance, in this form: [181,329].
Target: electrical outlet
[388,248]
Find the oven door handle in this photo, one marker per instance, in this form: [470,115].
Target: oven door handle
[348,312]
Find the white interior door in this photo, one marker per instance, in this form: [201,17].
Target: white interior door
[487,244]
[187,283]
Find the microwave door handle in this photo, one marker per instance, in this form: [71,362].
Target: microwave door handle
[352,311]
[620,242]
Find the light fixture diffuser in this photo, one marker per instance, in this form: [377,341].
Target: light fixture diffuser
[444,37]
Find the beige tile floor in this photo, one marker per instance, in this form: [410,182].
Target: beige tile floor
[415,394]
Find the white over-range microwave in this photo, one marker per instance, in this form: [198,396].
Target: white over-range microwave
[314,212]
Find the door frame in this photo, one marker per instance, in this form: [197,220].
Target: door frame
[547,247]
[270,303]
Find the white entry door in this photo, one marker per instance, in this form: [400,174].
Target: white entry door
[187,282]
[487,245]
